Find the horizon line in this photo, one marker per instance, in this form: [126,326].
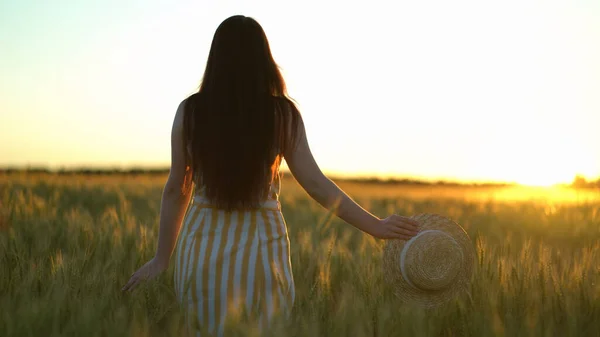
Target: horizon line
[163,169]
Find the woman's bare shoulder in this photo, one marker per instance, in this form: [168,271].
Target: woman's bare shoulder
[192,99]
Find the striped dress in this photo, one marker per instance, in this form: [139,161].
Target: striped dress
[232,266]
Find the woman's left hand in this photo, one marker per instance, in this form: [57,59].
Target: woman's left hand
[148,271]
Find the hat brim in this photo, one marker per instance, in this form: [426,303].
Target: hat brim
[430,298]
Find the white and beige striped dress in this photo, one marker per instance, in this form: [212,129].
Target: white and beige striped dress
[228,262]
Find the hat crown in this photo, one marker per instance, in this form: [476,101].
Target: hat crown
[431,260]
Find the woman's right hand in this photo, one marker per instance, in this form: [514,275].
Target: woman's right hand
[396,227]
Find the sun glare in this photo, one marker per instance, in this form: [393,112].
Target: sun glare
[543,177]
[537,159]
[538,182]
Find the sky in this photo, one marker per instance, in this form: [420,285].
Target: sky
[505,91]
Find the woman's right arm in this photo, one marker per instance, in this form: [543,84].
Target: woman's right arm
[308,174]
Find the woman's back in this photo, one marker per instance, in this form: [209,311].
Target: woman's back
[238,150]
[234,257]
[272,197]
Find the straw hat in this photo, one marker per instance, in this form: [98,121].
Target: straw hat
[434,266]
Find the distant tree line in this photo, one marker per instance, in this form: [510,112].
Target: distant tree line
[415,182]
[578,182]
[86,171]
[163,171]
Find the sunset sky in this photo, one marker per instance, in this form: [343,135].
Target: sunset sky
[462,90]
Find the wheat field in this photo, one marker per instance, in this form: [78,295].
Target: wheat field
[69,243]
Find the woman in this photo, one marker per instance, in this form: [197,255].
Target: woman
[228,141]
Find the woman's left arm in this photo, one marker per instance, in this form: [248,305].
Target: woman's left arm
[175,199]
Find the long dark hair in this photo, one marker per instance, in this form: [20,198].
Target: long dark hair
[241,120]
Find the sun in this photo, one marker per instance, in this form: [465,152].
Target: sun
[552,164]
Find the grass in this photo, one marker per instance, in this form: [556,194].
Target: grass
[68,244]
